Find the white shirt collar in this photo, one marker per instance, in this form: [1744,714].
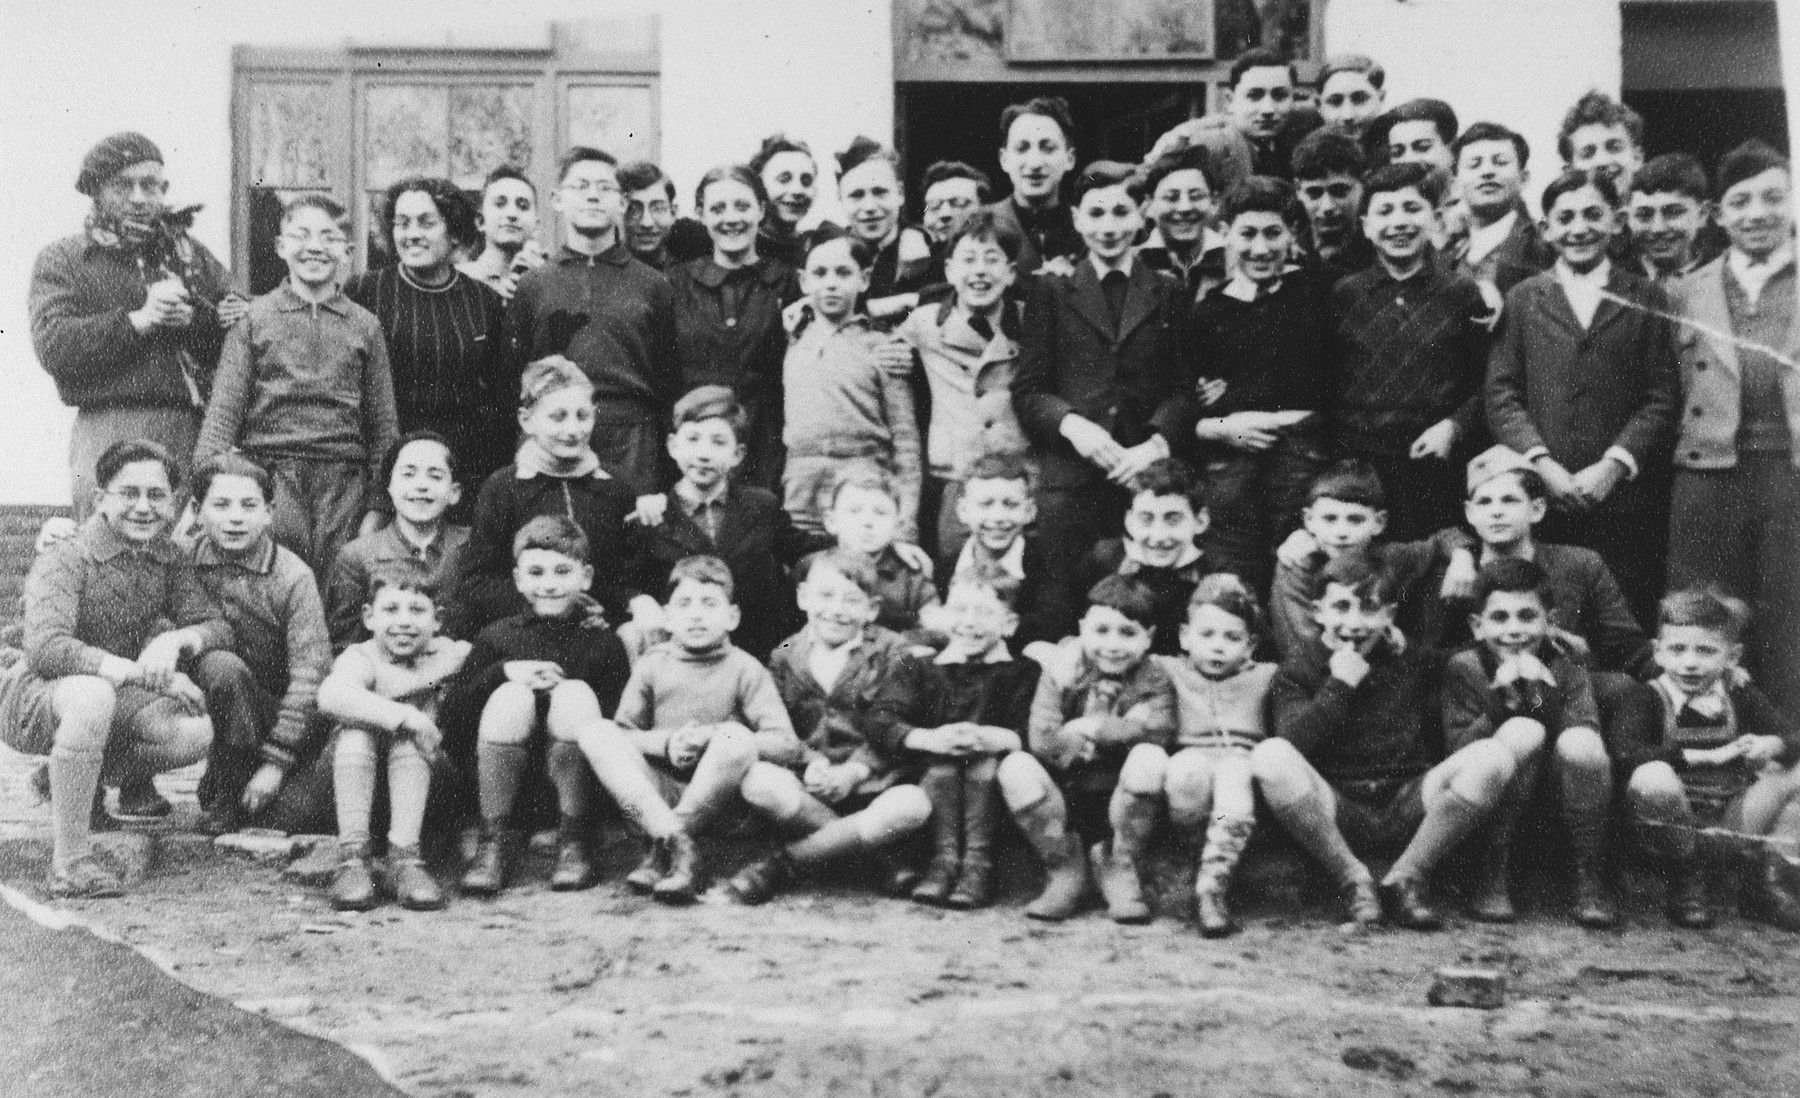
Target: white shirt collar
[1483,239]
[1682,698]
[953,655]
[1584,290]
[1752,276]
[1124,265]
[1013,560]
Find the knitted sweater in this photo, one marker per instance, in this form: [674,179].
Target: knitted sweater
[347,582]
[996,693]
[303,380]
[1230,712]
[672,687]
[97,594]
[443,344]
[368,690]
[1388,726]
[81,291]
[590,655]
[272,603]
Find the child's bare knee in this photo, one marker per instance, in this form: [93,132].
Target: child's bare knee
[1522,736]
[1189,772]
[1582,749]
[86,701]
[1023,780]
[1486,768]
[897,811]
[1144,770]
[1655,784]
[773,790]
[1276,766]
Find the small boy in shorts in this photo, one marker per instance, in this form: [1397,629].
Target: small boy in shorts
[702,712]
[1716,753]
[854,693]
[383,695]
[1517,685]
[263,692]
[545,674]
[1102,720]
[304,390]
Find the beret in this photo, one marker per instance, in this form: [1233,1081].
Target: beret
[111,156]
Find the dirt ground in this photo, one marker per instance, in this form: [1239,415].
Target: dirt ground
[840,992]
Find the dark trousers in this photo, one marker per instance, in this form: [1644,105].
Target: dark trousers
[1255,500]
[632,448]
[1740,530]
[1630,531]
[242,713]
[318,506]
[1423,495]
[1069,521]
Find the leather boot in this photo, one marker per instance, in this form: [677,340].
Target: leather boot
[411,884]
[652,869]
[682,882]
[1226,838]
[353,885]
[1120,883]
[574,869]
[1685,895]
[1771,891]
[487,872]
[1066,881]
[943,785]
[1492,901]
[1405,904]
[1593,902]
[974,885]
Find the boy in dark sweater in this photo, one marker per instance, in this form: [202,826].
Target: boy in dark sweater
[1411,348]
[1358,759]
[1521,688]
[854,693]
[1162,528]
[1102,721]
[1715,752]
[1265,335]
[710,514]
[266,761]
[702,713]
[983,706]
[549,673]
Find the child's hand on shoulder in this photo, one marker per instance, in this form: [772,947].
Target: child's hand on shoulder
[1459,577]
[895,355]
[650,510]
[1572,645]
[915,558]
[1060,265]
[1297,551]
[647,614]
[56,529]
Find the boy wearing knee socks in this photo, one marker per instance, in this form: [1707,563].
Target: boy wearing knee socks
[854,693]
[1102,721]
[702,712]
[383,694]
[545,677]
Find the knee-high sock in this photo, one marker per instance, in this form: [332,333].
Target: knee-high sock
[353,785]
[1311,824]
[501,767]
[1586,794]
[1445,825]
[409,784]
[1133,819]
[1226,838]
[569,774]
[627,780]
[74,775]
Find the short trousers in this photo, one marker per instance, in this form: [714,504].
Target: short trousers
[1090,814]
[28,709]
[1379,813]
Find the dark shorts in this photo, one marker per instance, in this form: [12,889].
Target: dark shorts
[1089,814]
[1379,813]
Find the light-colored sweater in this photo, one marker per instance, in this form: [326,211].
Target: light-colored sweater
[672,688]
[1231,712]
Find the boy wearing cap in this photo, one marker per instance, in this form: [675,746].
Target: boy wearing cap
[128,316]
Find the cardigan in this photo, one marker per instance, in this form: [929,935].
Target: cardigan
[1231,712]
[1712,375]
[96,595]
[271,601]
[303,380]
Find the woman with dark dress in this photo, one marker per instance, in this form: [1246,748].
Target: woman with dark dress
[442,327]
[728,306]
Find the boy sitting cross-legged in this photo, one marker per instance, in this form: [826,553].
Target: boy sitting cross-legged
[383,693]
[265,762]
[1160,548]
[702,712]
[548,674]
[1715,753]
[1521,687]
[1357,762]
[983,706]
[855,693]
[1346,510]
[1102,721]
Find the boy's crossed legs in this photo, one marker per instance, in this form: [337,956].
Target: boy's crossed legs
[869,825]
[703,790]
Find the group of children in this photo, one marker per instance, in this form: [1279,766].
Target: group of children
[1001,546]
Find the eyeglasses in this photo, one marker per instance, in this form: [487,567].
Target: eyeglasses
[300,238]
[123,185]
[156,497]
[597,186]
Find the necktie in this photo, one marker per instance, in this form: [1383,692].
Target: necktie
[982,326]
[1114,286]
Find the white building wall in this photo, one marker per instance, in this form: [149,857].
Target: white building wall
[732,71]
[1518,62]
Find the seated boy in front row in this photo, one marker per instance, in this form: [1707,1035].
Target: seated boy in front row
[997,503]
[383,695]
[855,694]
[1716,753]
[1357,760]
[1160,548]
[265,763]
[548,673]
[1102,721]
[702,712]
[1521,686]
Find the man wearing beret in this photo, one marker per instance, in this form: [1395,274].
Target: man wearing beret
[128,316]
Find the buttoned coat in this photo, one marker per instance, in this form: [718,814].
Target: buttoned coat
[1712,380]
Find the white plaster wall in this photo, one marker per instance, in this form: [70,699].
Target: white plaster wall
[733,70]
[1522,63]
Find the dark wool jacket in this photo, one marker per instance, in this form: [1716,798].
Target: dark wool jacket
[1043,235]
[1274,353]
[996,694]
[1651,739]
[588,653]
[483,590]
[1073,361]
[1141,709]
[881,696]
[1041,600]
[1473,708]
[81,291]
[1389,726]
[728,331]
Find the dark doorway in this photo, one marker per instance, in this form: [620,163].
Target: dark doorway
[961,121]
[1710,122]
